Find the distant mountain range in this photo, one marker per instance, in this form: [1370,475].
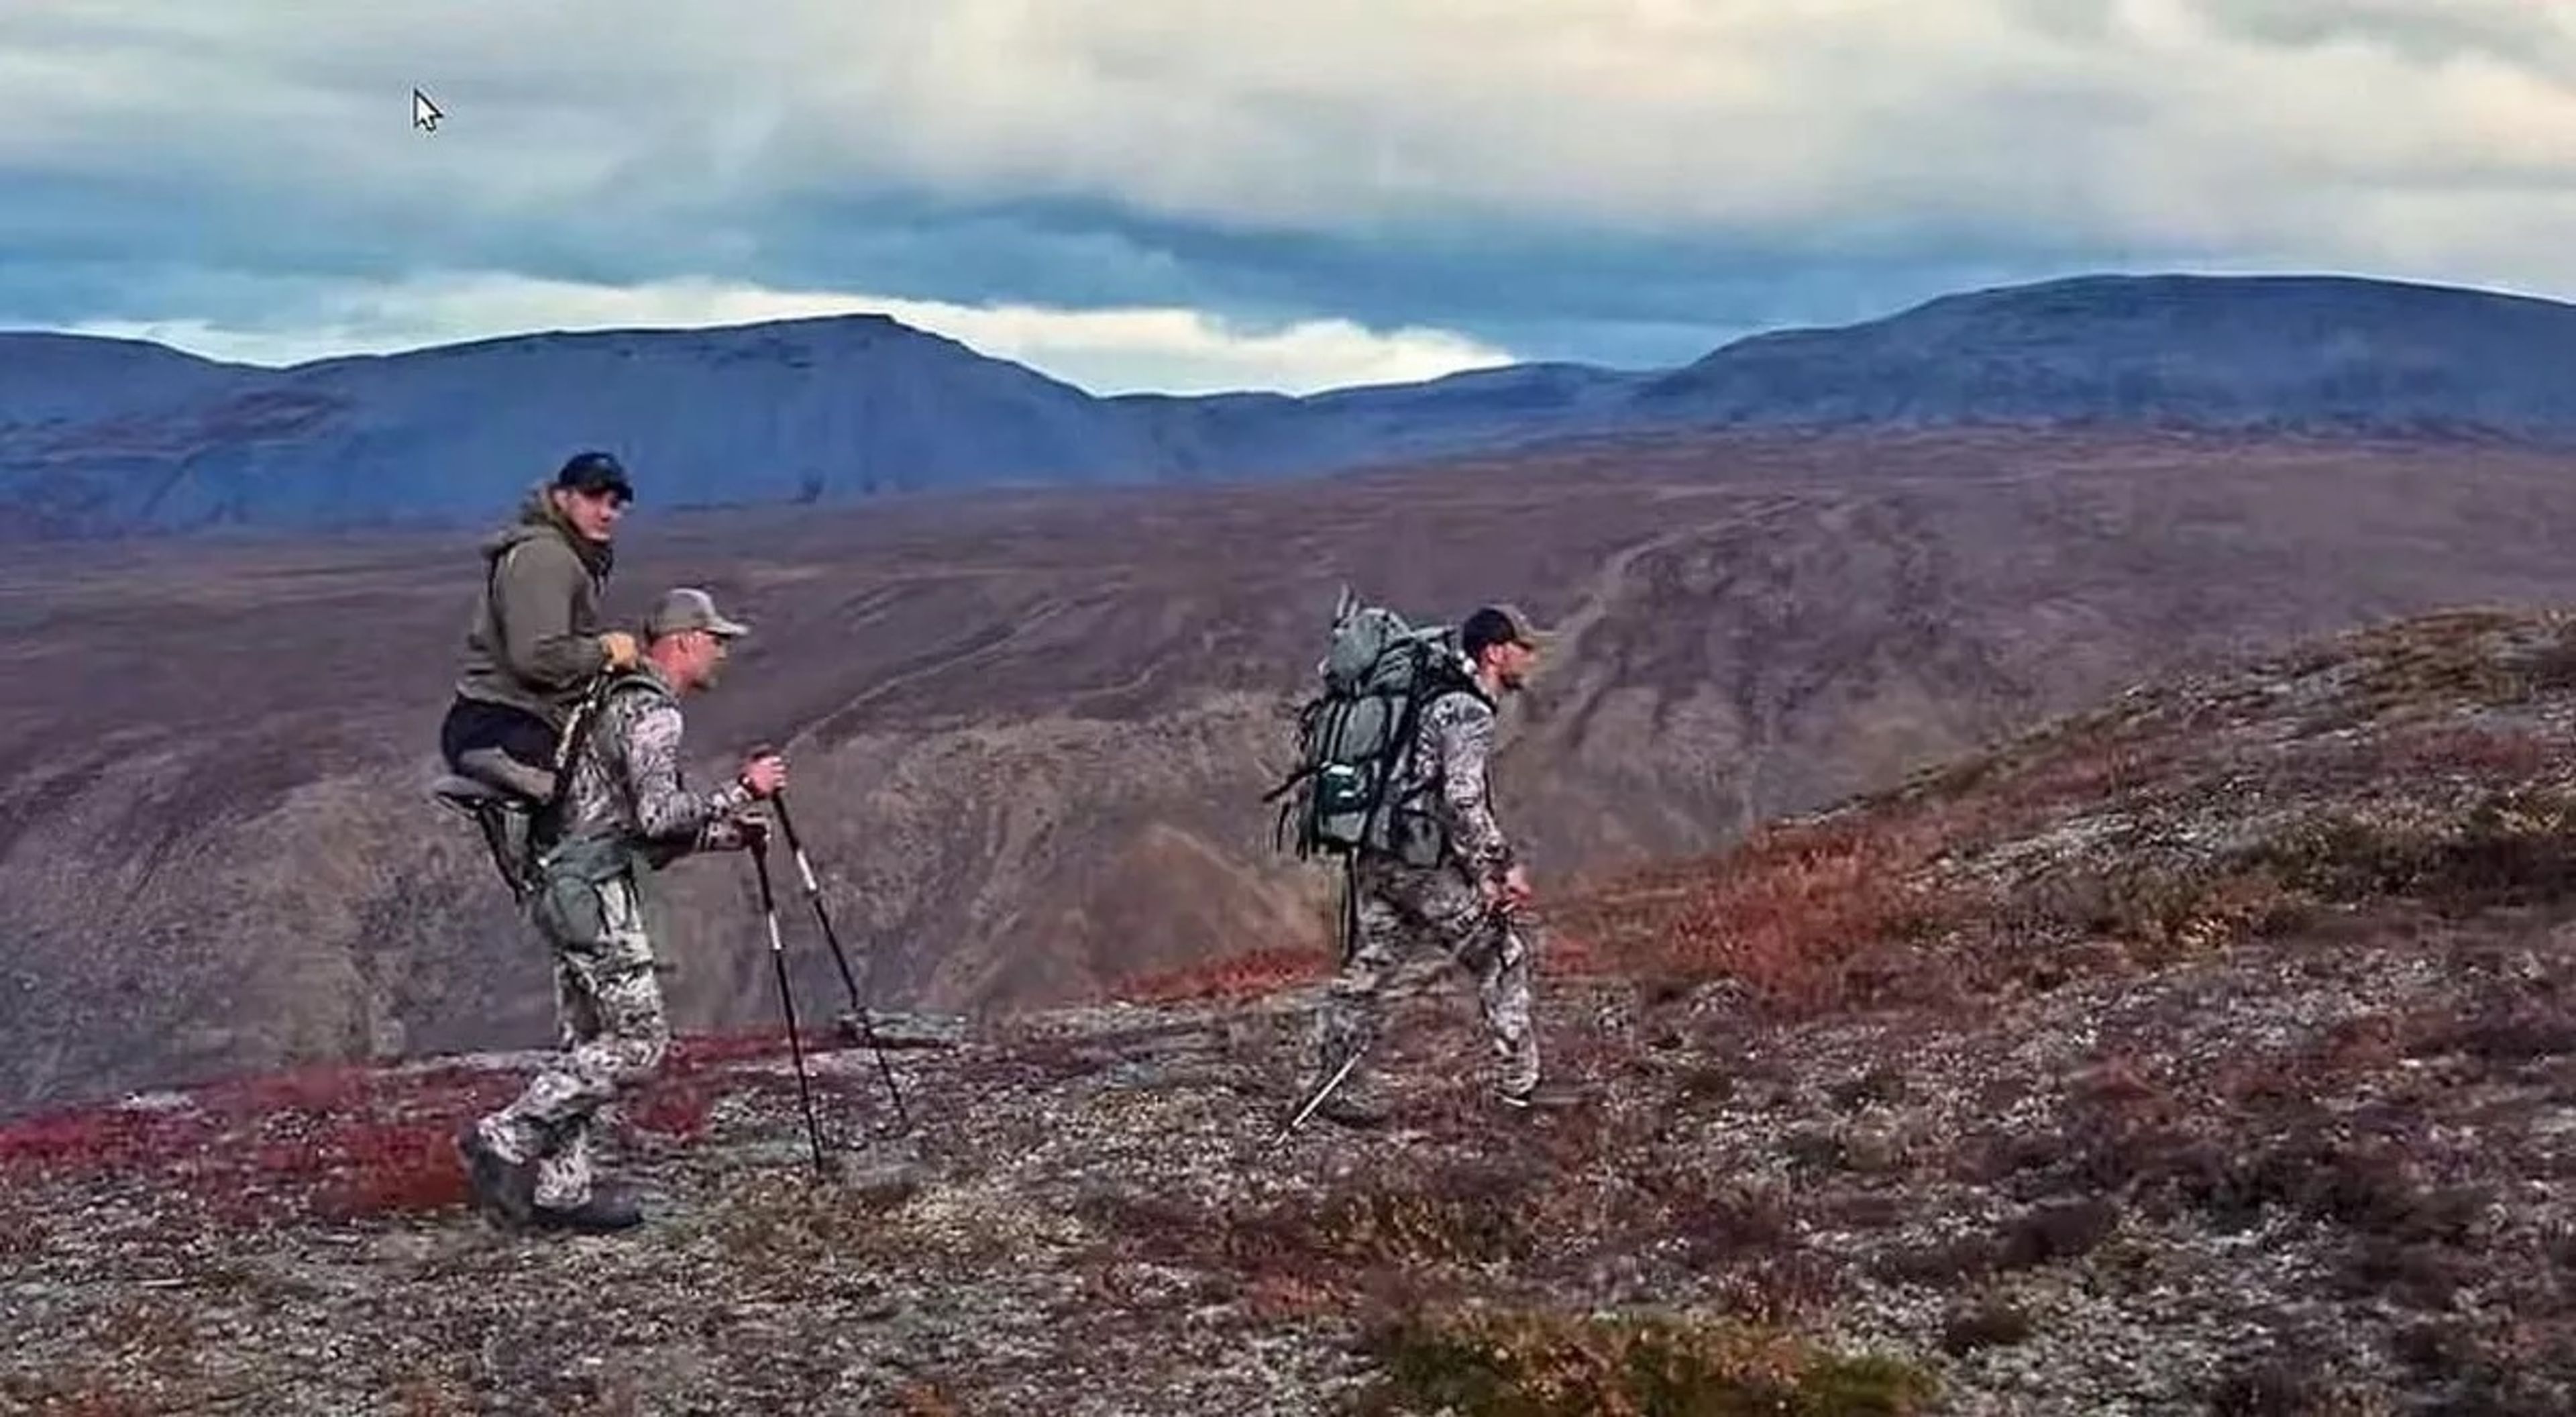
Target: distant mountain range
[108,437]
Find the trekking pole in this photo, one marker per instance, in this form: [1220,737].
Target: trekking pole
[787,1001]
[813,887]
[1347,920]
[858,1008]
[1321,1093]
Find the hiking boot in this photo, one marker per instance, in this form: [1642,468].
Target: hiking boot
[607,1210]
[502,1188]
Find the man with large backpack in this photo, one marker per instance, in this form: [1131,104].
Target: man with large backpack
[625,810]
[1396,782]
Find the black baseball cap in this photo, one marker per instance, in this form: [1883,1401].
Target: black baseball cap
[1500,625]
[595,472]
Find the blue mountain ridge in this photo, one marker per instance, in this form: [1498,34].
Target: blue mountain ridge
[112,437]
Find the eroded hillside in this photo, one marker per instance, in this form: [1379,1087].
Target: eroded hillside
[1031,734]
[2210,1051]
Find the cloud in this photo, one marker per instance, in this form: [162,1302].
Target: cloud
[1853,124]
[1628,176]
[2514,31]
[1102,350]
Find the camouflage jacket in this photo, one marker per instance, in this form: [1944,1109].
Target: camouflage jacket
[626,783]
[1447,777]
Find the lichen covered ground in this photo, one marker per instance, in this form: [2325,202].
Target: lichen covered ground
[2214,1052]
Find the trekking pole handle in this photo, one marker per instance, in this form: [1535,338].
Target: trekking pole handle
[770,750]
[795,843]
[787,824]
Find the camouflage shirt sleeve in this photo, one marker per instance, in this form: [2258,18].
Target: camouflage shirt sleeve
[1462,731]
[666,811]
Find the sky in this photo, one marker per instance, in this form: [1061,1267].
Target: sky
[1190,195]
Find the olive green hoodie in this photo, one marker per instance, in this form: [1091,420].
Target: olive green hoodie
[534,640]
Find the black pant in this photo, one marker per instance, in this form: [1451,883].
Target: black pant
[473,723]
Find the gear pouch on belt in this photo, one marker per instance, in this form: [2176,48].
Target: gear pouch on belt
[565,903]
[1414,836]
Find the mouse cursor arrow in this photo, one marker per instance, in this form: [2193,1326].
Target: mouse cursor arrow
[424,114]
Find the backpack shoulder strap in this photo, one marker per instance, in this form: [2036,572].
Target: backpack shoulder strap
[1448,674]
[576,734]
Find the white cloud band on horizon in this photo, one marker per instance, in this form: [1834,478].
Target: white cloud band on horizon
[1167,350]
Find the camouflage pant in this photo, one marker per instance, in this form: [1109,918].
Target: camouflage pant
[614,1034]
[1404,910]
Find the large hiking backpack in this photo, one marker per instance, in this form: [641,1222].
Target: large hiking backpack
[1355,736]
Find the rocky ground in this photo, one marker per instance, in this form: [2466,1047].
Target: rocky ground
[2214,1052]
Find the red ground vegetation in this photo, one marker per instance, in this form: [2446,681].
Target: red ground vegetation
[335,1143]
[1800,914]
[1242,976]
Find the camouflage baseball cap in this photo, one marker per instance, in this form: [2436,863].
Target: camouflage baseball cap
[689,608]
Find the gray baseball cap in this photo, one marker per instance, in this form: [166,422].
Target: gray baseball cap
[689,608]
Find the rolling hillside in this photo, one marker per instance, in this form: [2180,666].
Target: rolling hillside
[2208,1050]
[1031,730]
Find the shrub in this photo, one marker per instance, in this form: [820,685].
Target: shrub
[2282,1385]
[2061,1231]
[91,1141]
[1466,1214]
[1241,976]
[373,1169]
[340,1143]
[780,1226]
[1457,1215]
[1801,915]
[2508,846]
[678,1109]
[74,1396]
[322,1087]
[1991,1322]
[695,1052]
[1529,1364]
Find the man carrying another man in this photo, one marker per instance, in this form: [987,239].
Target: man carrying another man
[624,807]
